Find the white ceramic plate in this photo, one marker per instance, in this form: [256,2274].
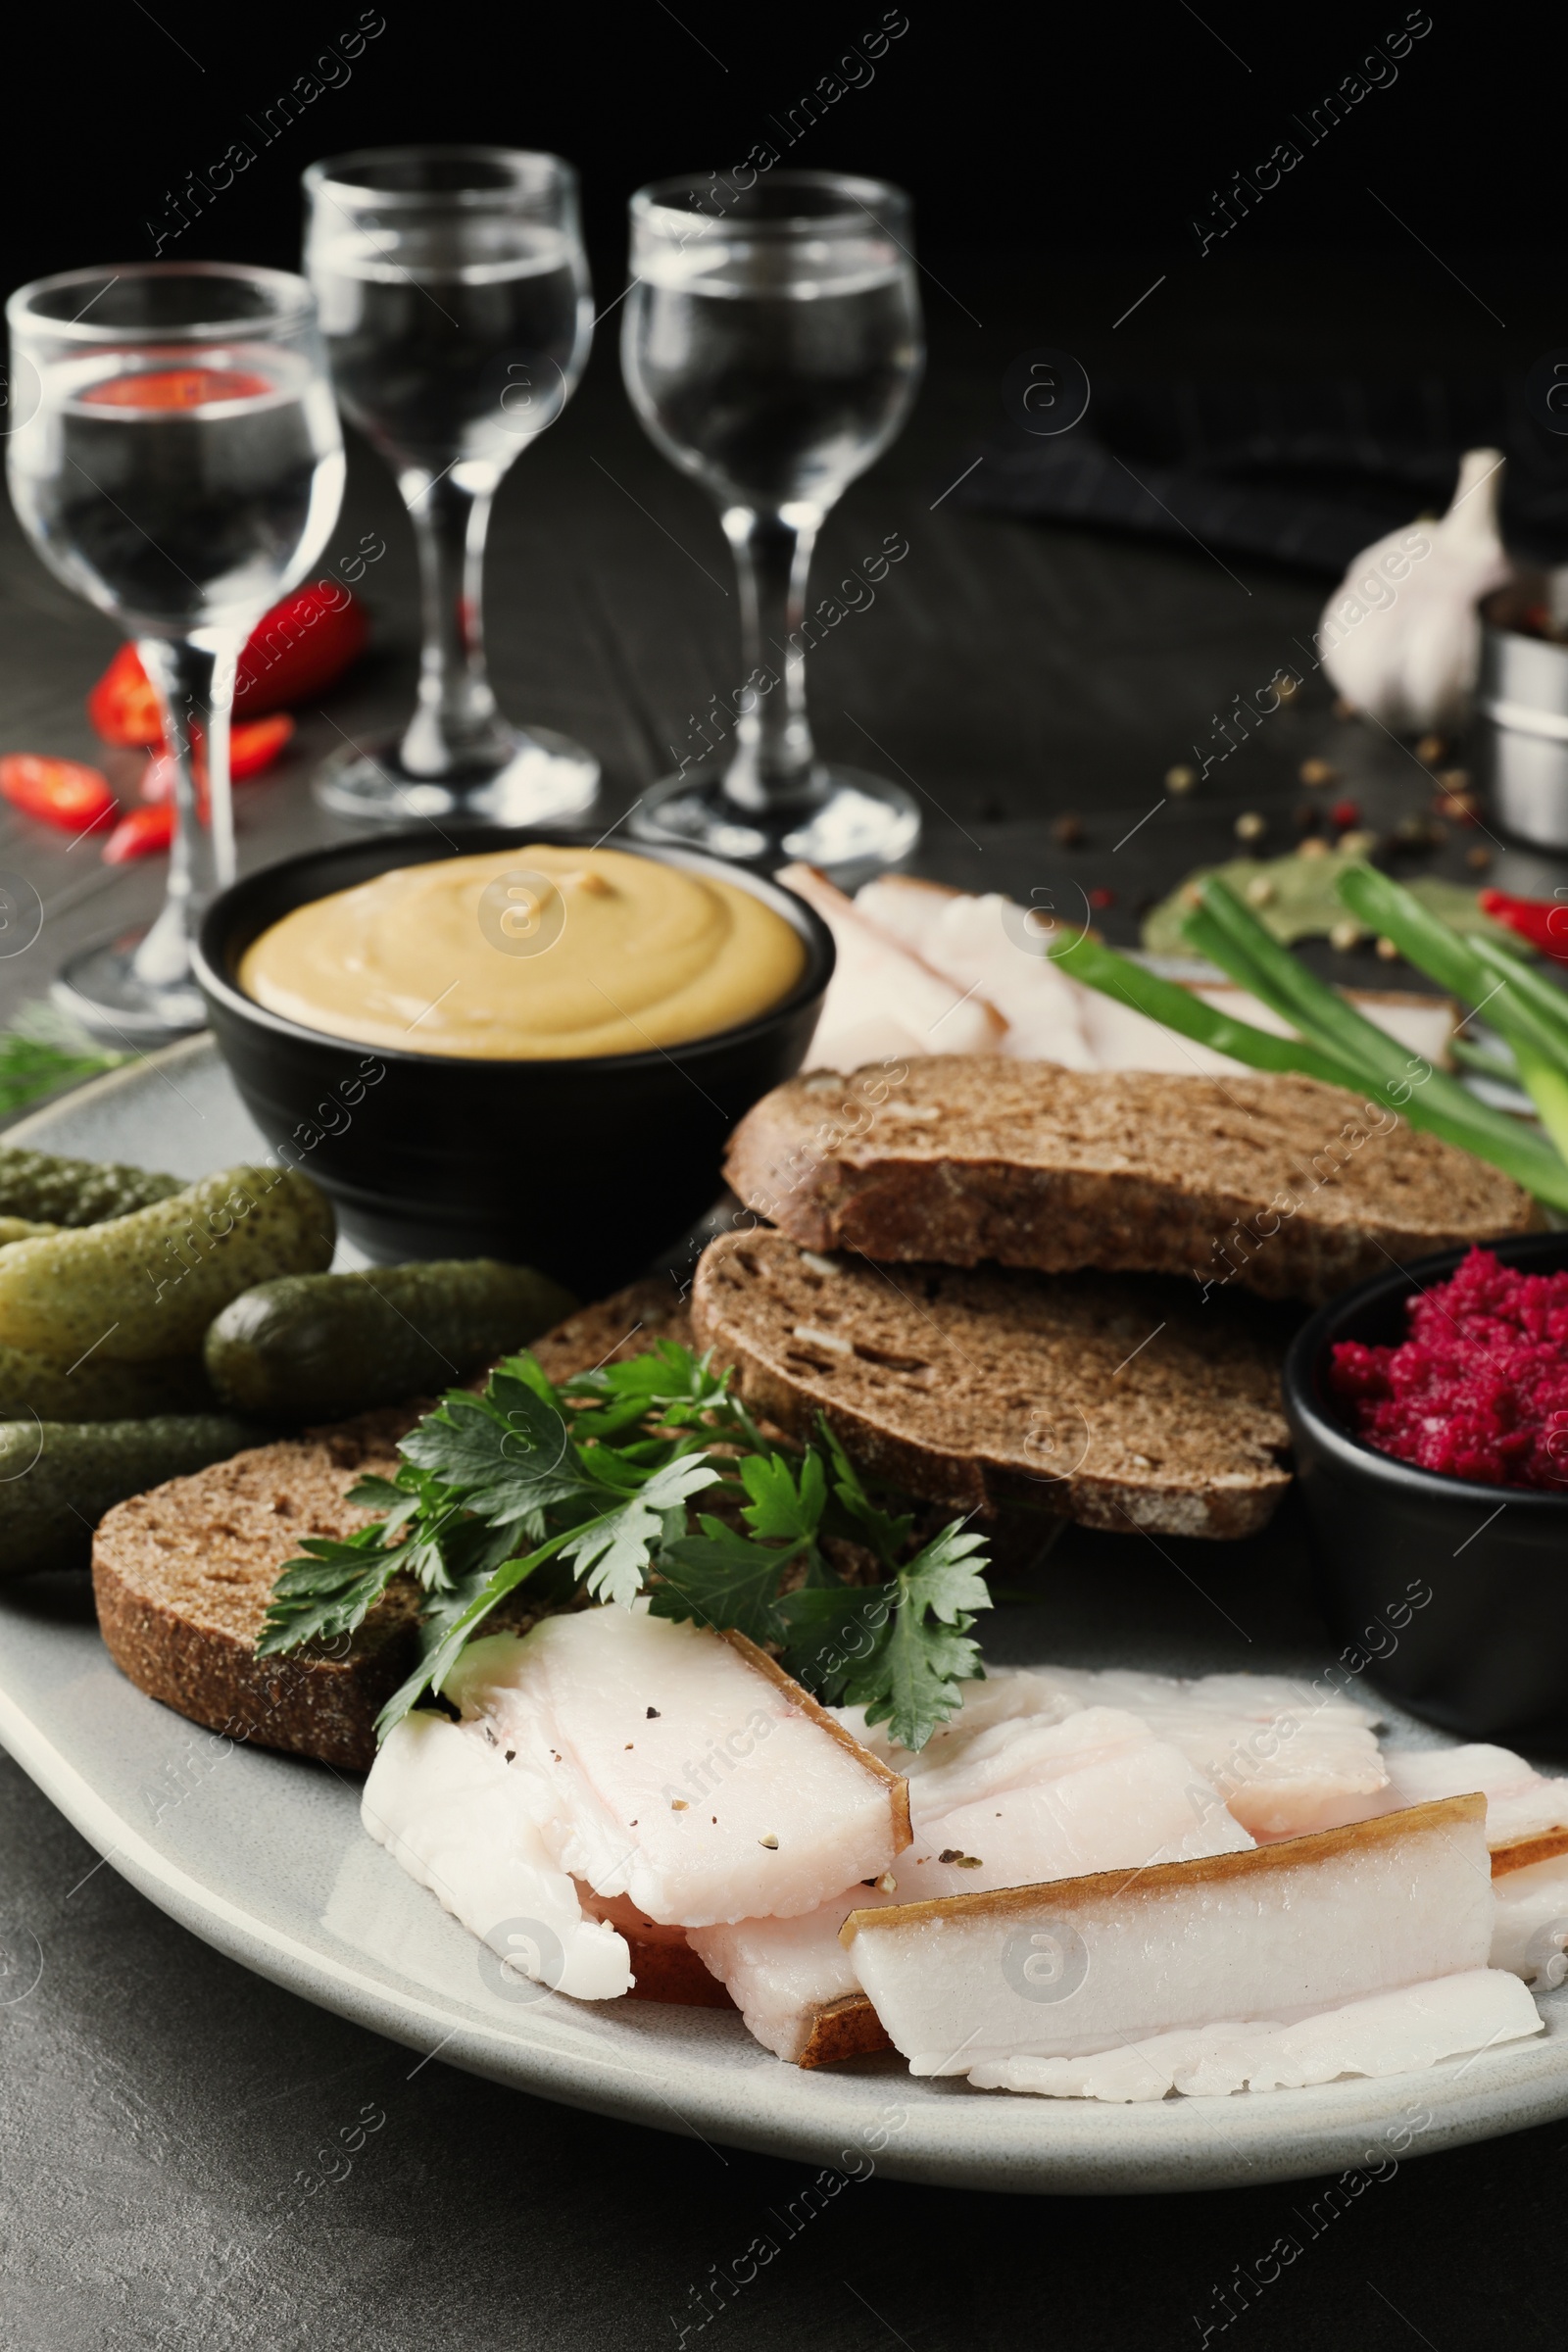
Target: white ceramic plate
[263,1858]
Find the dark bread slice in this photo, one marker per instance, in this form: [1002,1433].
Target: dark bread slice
[1259,1177]
[1118,1403]
[183,1575]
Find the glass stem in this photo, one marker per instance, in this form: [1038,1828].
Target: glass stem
[457,726]
[775,764]
[195,689]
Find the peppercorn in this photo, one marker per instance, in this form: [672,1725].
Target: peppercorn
[1318,772]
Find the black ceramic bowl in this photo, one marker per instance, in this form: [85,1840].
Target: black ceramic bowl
[585,1169]
[1486,1653]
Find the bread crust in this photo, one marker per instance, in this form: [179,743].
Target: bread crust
[1177,1430]
[1272,1182]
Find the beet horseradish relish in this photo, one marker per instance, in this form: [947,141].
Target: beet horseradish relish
[1479,1389]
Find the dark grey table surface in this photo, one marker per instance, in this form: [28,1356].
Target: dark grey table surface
[157,2103]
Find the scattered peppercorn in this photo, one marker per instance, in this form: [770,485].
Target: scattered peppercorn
[1344,707]
[1345,936]
[653,1714]
[1307,818]
[1357,843]
[1454,779]
[1430,750]
[1260,891]
[1314,846]
[1067,830]
[1249,826]
[1318,772]
[1388,950]
[1102,897]
[1180,779]
[1345,814]
[1478,859]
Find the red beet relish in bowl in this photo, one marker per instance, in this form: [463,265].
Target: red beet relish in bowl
[1479,1389]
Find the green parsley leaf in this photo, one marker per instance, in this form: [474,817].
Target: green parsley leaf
[509,1452]
[721,1579]
[886,1535]
[330,1590]
[783,1501]
[910,1679]
[612,1551]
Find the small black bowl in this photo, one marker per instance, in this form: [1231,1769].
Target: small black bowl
[584,1169]
[1453,1595]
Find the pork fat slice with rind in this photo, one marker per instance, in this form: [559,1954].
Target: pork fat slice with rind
[680,1769]
[1098,1791]
[1064,1970]
[1286,1758]
[461,1820]
[1520,1802]
[1387,2033]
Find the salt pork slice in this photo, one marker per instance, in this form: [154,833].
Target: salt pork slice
[681,1767]
[1527,1815]
[1388,2034]
[1094,1793]
[883,1002]
[1088,1965]
[446,1804]
[1286,1758]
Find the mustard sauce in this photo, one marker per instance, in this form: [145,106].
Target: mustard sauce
[533,954]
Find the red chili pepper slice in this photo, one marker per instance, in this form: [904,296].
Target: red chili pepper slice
[58,792]
[141,833]
[252,749]
[1543,921]
[254,745]
[122,707]
[178,388]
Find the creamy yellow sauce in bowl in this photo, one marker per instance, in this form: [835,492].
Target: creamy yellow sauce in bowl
[537,953]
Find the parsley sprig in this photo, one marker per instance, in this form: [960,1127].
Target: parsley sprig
[594,1483]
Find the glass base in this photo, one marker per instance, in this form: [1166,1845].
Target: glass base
[861,823]
[547,776]
[99,988]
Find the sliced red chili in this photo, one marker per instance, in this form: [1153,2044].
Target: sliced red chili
[58,792]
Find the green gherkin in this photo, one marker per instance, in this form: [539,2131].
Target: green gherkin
[311,1346]
[76,1192]
[56,1479]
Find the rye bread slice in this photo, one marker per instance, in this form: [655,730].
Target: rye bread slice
[183,1575]
[1115,1402]
[1258,1180]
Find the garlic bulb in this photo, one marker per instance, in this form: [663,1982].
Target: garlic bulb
[1401,636]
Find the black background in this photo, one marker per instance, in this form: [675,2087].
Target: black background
[1048,132]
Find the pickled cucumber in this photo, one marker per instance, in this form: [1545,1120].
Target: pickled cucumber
[76,1192]
[58,1478]
[143,1287]
[311,1346]
[99,1392]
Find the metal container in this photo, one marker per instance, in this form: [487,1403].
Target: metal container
[1522,712]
